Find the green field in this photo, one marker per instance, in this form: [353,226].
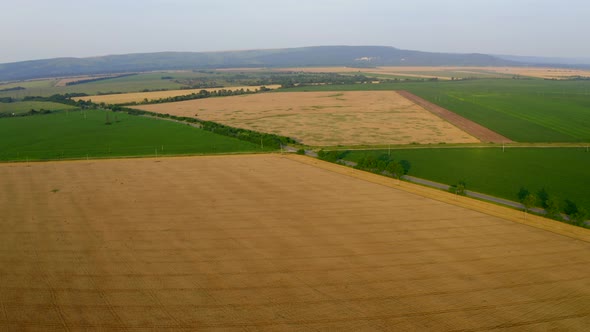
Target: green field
[31,84]
[83,134]
[26,106]
[523,110]
[563,172]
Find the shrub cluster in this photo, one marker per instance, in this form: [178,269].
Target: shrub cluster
[383,164]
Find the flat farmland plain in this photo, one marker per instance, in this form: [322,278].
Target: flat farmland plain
[325,118]
[271,242]
[447,72]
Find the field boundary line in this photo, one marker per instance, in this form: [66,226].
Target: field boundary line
[449,198]
[474,129]
[513,145]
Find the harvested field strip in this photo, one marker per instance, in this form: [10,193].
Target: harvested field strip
[155,95]
[482,133]
[270,242]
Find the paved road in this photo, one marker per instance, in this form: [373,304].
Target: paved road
[473,194]
[467,192]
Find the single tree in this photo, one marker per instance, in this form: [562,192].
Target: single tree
[529,201]
[570,208]
[543,197]
[461,187]
[396,170]
[522,194]
[579,218]
[553,208]
[406,165]
[399,171]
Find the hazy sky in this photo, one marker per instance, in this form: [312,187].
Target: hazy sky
[37,29]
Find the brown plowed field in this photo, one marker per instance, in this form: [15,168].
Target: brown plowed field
[272,243]
[325,118]
[482,133]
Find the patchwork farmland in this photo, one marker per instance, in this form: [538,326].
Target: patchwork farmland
[325,118]
[273,242]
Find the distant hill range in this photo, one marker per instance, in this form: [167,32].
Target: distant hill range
[352,56]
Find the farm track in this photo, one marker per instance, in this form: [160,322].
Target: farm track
[482,133]
[273,242]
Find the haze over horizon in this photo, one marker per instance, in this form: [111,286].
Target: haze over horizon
[68,28]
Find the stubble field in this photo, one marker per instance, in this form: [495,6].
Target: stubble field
[270,243]
[325,118]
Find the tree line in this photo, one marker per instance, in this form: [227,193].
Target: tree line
[21,114]
[566,210]
[96,79]
[64,99]
[383,164]
[266,140]
[199,95]
[16,88]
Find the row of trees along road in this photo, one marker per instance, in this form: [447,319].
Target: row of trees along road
[567,210]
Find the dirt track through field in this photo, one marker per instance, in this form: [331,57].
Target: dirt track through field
[476,130]
[271,242]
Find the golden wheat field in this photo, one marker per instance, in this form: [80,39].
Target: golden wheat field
[271,242]
[122,98]
[325,118]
